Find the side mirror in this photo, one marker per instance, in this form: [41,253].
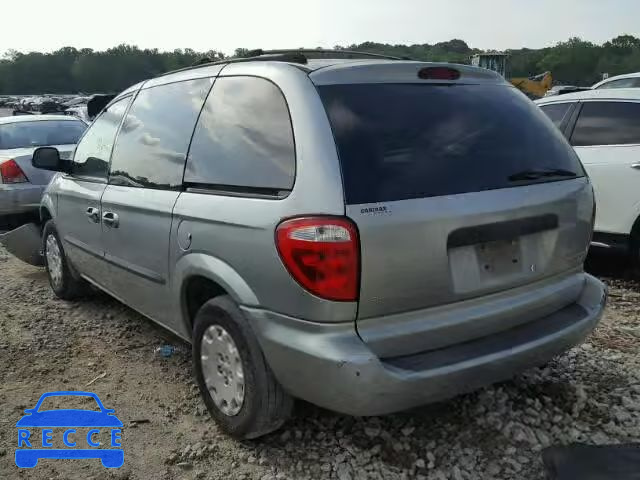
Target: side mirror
[48,158]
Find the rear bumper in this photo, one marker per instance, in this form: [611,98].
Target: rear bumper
[329,365]
[20,198]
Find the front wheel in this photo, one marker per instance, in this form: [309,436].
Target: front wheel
[63,283]
[238,387]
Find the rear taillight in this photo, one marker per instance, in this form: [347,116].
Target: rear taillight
[11,172]
[322,255]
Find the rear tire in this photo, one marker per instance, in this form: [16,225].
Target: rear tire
[262,406]
[64,283]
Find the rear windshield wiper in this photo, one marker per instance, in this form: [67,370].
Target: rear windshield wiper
[541,173]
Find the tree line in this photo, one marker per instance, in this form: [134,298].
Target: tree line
[71,70]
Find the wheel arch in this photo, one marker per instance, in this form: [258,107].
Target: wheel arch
[47,208]
[200,277]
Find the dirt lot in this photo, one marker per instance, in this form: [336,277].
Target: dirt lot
[590,394]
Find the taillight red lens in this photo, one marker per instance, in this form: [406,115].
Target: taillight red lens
[439,73]
[11,172]
[322,255]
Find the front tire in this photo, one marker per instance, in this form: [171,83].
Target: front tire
[236,384]
[63,283]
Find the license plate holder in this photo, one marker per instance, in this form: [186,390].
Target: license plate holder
[498,258]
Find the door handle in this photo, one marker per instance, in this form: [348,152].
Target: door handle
[93,214]
[110,219]
[636,166]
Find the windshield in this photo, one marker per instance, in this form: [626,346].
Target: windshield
[40,133]
[401,141]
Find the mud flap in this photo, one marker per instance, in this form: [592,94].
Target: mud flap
[25,243]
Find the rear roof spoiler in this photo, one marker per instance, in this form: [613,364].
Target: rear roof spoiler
[97,103]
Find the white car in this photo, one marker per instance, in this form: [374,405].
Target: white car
[21,185]
[603,127]
[629,80]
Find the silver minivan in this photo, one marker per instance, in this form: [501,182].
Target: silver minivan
[367,234]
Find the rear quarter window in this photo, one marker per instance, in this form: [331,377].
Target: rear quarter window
[243,139]
[403,141]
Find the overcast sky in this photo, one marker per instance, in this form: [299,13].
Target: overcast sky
[46,25]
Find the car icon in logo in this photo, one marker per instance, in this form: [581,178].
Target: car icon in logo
[32,446]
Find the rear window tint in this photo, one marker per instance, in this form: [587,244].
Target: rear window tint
[402,141]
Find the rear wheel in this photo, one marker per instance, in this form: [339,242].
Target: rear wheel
[235,381]
[64,283]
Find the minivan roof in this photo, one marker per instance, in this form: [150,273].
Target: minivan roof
[313,60]
[602,94]
[327,70]
[400,71]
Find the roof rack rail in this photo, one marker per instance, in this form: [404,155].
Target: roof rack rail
[325,53]
[293,56]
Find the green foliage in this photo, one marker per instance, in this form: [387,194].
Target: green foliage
[69,70]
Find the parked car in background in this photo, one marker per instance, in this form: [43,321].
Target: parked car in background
[79,111]
[368,234]
[21,185]
[629,80]
[603,126]
[563,90]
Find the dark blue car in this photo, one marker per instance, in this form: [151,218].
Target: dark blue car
[70,419]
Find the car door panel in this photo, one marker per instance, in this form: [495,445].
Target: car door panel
[79,194]
[616,184]
[606,137]
[145,180]
[137,248]
[80,234]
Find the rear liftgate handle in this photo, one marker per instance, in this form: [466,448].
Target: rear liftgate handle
[110,219]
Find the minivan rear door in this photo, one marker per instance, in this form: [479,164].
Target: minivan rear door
[458,189]
[145,181]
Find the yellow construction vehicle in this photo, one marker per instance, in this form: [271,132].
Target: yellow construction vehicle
[534,87]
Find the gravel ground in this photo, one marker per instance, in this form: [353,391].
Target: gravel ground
[591,394]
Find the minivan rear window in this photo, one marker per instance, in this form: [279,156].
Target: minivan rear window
[403,141]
